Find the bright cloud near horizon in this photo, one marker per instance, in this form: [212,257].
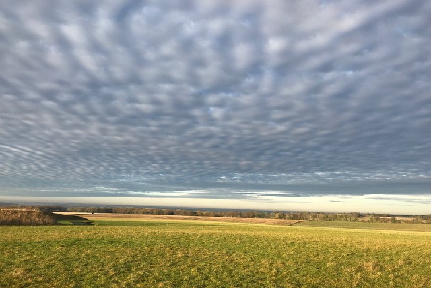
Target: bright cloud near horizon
[282,105]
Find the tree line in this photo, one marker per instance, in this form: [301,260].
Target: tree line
[309,216]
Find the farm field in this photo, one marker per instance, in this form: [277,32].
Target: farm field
[187,253]
[366,225]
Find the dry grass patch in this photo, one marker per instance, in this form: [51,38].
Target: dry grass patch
[134,217]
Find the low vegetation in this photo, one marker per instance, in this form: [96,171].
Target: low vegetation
[34,217]
[166,253]
[25,217]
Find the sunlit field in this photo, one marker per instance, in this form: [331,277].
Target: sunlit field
[167,253]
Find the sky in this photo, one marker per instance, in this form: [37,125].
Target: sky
[307,105]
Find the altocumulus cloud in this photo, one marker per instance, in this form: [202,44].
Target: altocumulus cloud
[145,98]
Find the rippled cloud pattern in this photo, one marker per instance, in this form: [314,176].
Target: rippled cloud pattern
[152,97]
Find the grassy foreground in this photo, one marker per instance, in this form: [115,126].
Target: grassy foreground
[164,253]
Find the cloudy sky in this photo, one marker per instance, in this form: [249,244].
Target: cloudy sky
[281,105]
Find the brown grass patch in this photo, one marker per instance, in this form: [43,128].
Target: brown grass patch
[105,216]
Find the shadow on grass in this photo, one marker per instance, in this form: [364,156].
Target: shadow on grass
[71,220]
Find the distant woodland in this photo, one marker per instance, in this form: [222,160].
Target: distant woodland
[309,216]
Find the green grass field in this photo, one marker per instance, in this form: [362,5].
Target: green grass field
[212,254]
[366,225]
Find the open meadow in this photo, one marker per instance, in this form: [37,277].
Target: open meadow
[151,252]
